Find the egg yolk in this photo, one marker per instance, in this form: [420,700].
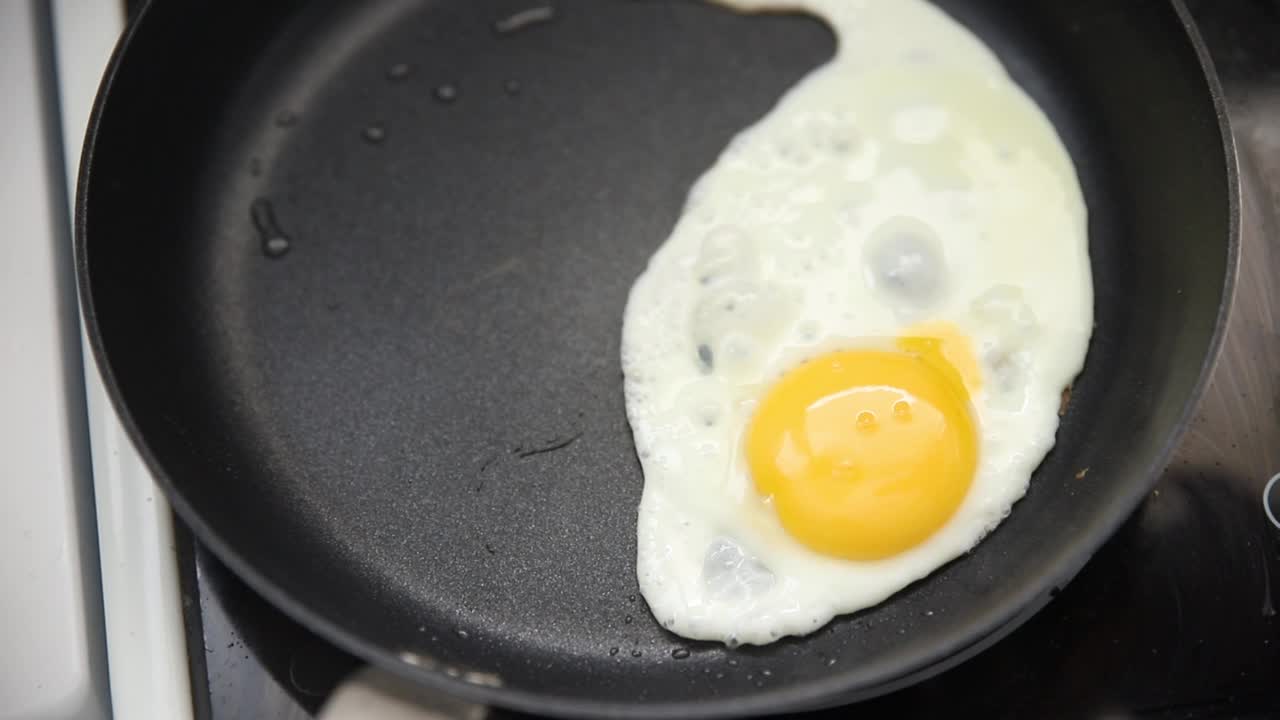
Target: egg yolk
[866,453]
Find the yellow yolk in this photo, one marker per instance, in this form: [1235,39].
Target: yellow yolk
[866,453]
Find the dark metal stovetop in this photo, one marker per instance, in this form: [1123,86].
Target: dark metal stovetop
[1176,617]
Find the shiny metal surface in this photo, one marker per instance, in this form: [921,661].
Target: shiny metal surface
[1175,618]
[1236,433]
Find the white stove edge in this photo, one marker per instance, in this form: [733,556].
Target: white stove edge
[50,602]
[146,642]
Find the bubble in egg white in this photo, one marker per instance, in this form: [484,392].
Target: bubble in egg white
[905,261]
[1005,305]
[731,577]
[727,253]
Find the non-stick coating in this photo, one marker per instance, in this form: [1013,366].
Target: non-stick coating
[408,430]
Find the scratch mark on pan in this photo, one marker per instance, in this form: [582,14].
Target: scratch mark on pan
[555,445]
[488,462]
[524,19]
[293,679]
[506,267]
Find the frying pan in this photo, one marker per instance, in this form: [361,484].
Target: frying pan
[354,275]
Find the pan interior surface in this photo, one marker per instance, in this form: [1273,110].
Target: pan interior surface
[356,273]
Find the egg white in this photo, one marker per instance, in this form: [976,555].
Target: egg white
[908,180]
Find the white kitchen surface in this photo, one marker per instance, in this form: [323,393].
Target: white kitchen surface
[146,646]
[90,613]
[54,664]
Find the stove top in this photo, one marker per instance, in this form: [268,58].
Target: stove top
[1174,618]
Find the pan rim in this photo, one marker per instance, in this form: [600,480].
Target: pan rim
[841,688]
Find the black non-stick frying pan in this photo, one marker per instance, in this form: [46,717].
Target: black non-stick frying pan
[355,274]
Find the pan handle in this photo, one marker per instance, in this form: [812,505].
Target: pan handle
[374,694]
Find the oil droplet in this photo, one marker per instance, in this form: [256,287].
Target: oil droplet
[902,410]
[463,634]
[276,247]
[274,242]
[613,651]
[399,71]
[447,93]
[627,619]
[733,663]
[287,119]
[719,676]
[512,87]
[680,653]
[866,421]
[524,19]
[767,673]
[631,598]
[374,134]
[831,661]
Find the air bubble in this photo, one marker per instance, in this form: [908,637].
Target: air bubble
[706,358]
[904,258]
[731,576]
[613,651]
[374,134]
[399,71]
[680,653]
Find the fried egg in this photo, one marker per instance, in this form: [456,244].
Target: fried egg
[846,361]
